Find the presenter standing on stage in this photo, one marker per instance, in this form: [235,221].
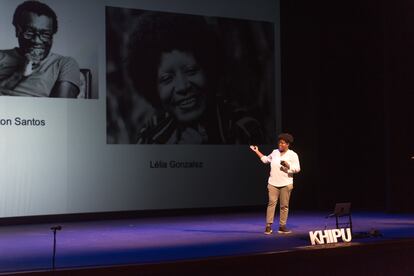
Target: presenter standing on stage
[284,162]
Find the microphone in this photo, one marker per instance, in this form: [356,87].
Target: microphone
[56,228]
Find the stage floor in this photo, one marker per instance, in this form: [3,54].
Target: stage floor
[166,239]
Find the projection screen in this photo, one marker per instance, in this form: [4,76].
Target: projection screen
[169,95]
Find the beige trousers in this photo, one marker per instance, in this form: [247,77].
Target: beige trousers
[275,193]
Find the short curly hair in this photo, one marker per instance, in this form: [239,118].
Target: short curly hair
[37,8]
[157,33]
[288,138]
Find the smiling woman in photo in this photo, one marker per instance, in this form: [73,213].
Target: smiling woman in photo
[175,63]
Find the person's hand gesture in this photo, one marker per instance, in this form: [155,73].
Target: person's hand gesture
[31,63]
[28,66]
[285,164]
[284,169]
[254,148]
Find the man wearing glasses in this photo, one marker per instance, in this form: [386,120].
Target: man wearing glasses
[31,69]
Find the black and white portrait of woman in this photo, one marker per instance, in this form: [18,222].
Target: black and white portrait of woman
[188,79]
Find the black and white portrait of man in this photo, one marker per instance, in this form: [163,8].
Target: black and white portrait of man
[32,67]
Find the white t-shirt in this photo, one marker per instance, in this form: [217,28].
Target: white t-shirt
[52,69]
[277,177]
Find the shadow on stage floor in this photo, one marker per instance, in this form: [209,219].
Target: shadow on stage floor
[219,244]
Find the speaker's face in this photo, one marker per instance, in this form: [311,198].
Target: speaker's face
[283,145]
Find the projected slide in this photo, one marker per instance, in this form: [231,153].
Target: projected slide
[130,105]
[186,79]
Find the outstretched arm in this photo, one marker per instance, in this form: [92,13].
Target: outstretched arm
[256,150]
[263,158]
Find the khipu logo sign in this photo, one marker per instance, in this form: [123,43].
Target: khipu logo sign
[330,236]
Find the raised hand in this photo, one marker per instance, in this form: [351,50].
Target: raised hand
[32,61]
[28,65]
